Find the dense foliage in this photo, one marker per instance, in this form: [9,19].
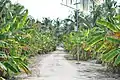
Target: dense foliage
[98,35]
[20,37]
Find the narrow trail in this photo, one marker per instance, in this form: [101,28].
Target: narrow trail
[55,67]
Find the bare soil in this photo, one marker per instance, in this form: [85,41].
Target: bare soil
[54,66]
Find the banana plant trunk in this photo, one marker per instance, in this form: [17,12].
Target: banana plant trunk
[78,54]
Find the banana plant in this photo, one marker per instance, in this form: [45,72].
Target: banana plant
[11,62]
[105,40]
[20,37]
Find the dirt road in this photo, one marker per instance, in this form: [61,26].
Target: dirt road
[55,67]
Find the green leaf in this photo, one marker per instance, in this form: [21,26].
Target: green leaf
[3,56]
[14,19]
[1,78]
[3,43]
[110,55]
[5,29]
[118,27]
[25,68]
[18,25]
[117,60]
[100,46]
[108,25]
[24,19]
[2,66]
[113,40]
[117,17]
[85,21]
[95,40]
[9,66]
[22,65]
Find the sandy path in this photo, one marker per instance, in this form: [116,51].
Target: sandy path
[55,67]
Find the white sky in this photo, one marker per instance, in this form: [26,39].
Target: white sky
[45,8]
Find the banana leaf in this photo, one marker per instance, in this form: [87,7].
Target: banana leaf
[114,40]
[109,25]
[117,60]
[110,55]
[9,66]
